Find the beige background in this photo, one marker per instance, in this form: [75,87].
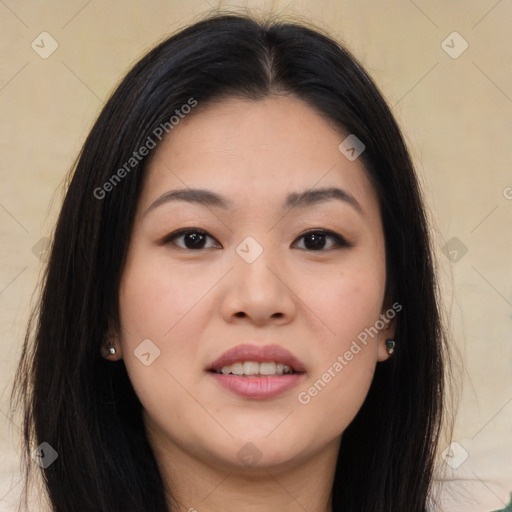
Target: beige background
[457,116]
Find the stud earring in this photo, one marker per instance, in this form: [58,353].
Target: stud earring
[390,345]
[110,350]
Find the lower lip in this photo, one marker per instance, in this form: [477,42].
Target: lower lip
[259,388]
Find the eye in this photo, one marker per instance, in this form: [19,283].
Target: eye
[317,240]
[193,239]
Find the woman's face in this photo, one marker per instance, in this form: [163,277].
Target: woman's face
[247,263]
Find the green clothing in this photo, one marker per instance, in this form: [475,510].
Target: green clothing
[508,508]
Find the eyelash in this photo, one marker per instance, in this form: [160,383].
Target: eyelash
[339,241]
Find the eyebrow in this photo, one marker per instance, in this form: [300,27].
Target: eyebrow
[320,195]
[192,195]
[293,201]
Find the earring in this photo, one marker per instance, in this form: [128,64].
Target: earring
[390,345]
[110,350]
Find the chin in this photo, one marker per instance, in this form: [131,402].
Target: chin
[260,452]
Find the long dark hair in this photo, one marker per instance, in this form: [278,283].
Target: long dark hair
[85,407]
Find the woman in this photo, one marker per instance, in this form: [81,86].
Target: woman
[240,303]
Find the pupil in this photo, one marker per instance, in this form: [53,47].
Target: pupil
[196,239]
[318,241]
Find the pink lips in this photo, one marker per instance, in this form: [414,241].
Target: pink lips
[262,387]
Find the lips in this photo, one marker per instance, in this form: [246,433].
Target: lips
[259,354]
[257,387]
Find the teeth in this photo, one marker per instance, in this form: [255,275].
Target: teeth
[253,368]
[267,368]
[237,369]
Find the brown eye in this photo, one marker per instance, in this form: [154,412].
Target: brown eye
[190,239]
[320,239]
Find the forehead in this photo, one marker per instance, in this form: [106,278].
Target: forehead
[255,151]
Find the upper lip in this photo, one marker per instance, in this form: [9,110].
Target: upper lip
[258,354]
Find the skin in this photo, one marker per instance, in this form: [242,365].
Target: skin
[196,304]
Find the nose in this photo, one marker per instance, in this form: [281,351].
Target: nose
[259,292]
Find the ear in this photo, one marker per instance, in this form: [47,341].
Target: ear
[388,317]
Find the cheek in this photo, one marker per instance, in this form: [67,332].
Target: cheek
[153,300]
[350,304]
[170,308]
[152,306]
[351,301]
